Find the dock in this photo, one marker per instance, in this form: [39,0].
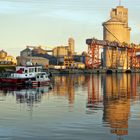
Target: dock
[93,71]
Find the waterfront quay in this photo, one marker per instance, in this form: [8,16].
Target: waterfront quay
[7,70]
[93,71]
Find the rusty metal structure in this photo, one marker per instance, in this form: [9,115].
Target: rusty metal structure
[114,55]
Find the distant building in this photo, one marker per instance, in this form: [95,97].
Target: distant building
[60,51]
[52,59]
[26,52]
[6,59]
[79,58]
[65,50]
[22,60]
[39,50]
[71,45]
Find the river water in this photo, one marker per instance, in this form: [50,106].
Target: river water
[78,107]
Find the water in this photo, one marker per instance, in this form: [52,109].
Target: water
[78,107]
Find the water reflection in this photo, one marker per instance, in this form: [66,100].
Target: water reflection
[94,93]
[65,86]
[29,96]
[111,95]
[25,95]
[116,110]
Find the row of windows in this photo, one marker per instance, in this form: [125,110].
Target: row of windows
[6,63]
[34,70]
[31,70]
[121,13]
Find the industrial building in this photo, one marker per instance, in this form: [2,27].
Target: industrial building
[6,59]
[69,49]
[62,56]
[22,60]
[115,50]
[60,51]
[26,52]
[26,55]
[116,28]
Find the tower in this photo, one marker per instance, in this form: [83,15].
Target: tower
[71,45]
[116,28]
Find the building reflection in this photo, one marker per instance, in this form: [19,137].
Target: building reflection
[119,92]
[117,102]
[65,86]
[94,92]
[113,94]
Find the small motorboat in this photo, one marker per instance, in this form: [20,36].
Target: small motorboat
[26,75]
[41,79]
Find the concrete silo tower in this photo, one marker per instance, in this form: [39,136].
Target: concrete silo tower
[116,29]
[71,45]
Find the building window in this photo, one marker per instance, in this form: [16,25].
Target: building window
[120,13]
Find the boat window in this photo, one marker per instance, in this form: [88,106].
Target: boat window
[29,70]
[26,71]
[39,69]
[38,76]
[35,69]
[41,76]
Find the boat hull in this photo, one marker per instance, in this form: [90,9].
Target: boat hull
[22,82]
[12,81]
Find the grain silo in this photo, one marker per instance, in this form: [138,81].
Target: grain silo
[116,29]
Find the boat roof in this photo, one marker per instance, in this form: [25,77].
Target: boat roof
[30,66]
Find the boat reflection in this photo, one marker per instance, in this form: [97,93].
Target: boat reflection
[29,96]
[26,95]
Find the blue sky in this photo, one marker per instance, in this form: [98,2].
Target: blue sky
[52,22]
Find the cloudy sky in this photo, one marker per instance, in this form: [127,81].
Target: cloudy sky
[52,22]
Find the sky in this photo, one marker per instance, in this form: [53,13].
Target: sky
[51,22]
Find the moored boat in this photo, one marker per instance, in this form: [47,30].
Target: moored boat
[26,74]
[41,79]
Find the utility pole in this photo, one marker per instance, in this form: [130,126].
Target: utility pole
[119,2]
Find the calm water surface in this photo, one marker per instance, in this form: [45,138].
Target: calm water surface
[78,107]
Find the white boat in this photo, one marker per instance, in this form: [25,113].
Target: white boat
[26,74]
[40,79]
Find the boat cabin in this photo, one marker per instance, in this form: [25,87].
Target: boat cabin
[42,77]
[26,71]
